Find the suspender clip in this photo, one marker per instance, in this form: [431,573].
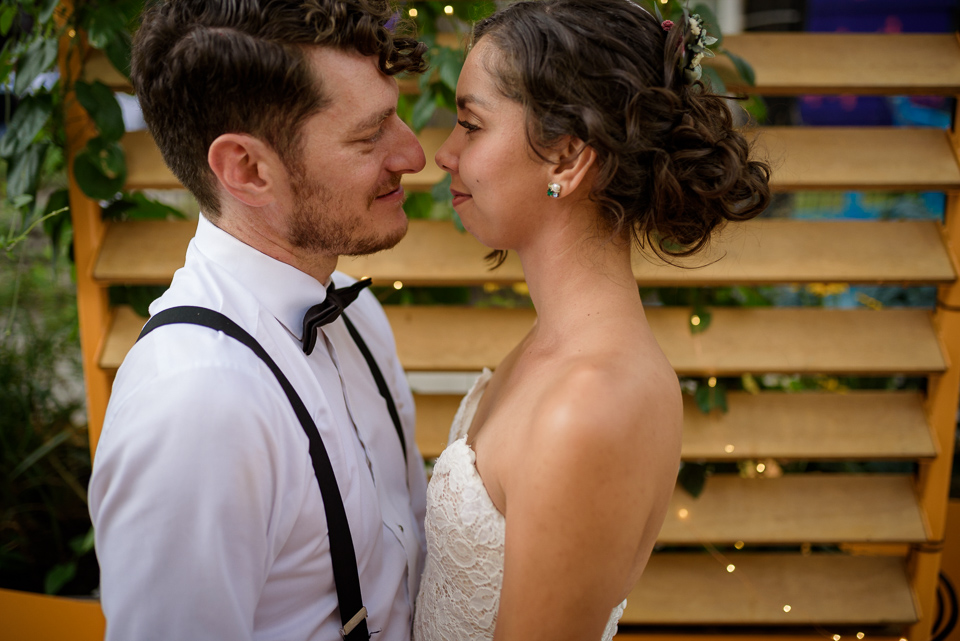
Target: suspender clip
[354,622]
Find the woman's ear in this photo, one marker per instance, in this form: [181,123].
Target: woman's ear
[246,167]
[575,162]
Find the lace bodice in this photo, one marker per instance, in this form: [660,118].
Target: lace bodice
[460,590]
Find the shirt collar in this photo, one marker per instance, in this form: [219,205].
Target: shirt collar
[285,291]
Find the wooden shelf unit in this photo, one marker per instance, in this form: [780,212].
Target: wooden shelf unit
[691,585]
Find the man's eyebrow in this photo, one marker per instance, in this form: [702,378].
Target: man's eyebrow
[463,101]
[374,121]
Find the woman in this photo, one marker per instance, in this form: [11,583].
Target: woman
[578,133]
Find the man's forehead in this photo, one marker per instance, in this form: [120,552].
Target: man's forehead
[357,91]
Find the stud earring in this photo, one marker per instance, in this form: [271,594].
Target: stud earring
[553,190]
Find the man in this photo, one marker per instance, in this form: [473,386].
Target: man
[280,117]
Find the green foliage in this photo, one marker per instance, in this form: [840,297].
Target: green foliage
[44,456]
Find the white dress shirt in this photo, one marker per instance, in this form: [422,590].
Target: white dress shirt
[208,517]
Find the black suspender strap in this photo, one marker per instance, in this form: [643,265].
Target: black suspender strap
[381,383]
[343,557]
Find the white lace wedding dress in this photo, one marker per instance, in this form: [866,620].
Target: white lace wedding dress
[460,590]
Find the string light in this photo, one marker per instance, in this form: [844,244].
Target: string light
[731,567]
[787,608]
[694,320]
[413,13]
[712,382]
[760,468]
[448,10]
[72,33]
[738,545]
[836,637]
[860,635]
[683,513]
[728,448]
[397,284]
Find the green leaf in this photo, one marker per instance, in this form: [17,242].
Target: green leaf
[54,226]
[711,398]
[59,576]
[418,205]
[118,52]
[693,478]
[34,456]
[82,544]
[104,24]
[756,106]
[136,206]
[713,81]
[102,105]
[6,19]
[744,69]
[423,110]
[709,21]
[39,57]
[750,384]
[23,172]
[31,115]
[441,191]
[449,63]
[46,10]
[100,169]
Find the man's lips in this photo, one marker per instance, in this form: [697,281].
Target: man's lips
[393,192]
[458,196]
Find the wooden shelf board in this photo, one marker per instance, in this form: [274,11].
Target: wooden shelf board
[814,341]
[802,158]
[821,589]
[852,158]
[787,64]
[814,426]
[757,252]
[739,340]
[846,63]
[796,508]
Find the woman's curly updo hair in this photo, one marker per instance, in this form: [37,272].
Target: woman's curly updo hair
[671,166]
[202,68]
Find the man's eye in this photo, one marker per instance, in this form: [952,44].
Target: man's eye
[468,126]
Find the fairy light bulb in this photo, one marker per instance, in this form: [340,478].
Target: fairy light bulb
[397,284]
[694,320]
[448,10]
[860,635]
[738,545]
[731,567]
[787,608]
[760,468]
[728,448]
[683,513]
[413,13]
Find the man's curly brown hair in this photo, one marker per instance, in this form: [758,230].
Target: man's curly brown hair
[202,68]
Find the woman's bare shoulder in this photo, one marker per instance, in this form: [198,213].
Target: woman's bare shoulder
[610,405]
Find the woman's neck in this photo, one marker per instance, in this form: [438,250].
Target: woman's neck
[578,278]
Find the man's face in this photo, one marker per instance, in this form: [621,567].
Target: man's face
[345,180]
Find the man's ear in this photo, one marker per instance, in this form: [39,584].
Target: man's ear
[247,168]
[575,162]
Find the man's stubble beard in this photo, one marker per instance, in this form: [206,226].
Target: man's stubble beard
[316,226]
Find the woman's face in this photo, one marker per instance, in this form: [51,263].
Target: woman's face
[498,183]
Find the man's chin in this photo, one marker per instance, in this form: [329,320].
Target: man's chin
[381,243]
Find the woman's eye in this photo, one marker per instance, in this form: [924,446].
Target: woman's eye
[468,126]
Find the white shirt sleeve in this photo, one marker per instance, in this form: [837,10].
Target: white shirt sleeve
[184,501]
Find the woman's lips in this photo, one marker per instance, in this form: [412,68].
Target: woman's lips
[458,197]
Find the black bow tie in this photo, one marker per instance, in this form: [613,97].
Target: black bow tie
[329,310]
